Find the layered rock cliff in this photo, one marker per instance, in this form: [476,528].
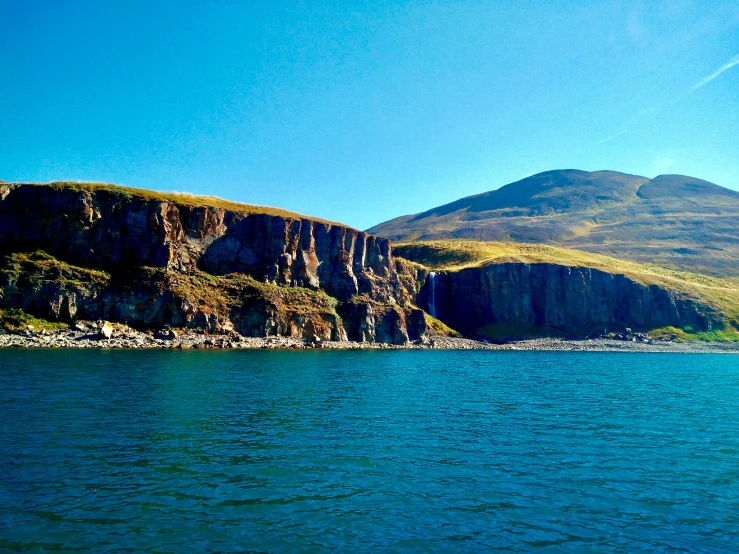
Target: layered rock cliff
[111,228]
[81,251]
[552,298]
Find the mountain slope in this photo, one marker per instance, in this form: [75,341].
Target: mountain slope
[672,220]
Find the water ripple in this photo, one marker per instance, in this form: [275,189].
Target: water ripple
[368,451]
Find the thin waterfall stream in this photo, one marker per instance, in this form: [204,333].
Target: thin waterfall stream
[432,294]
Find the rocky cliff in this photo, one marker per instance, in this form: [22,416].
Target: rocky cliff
[518,298]
[102,252]
[96,252]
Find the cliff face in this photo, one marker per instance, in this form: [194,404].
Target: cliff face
[80,252]
[110,230]
[573,300]
[148,298]
[122,233]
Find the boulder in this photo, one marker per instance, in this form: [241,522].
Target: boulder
[106,331]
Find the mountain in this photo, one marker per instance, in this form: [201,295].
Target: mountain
[672,220]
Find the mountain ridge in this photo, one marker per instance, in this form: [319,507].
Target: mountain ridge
[678,221]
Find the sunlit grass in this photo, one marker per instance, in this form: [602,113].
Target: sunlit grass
[187,199]
[14,320]
[439,327]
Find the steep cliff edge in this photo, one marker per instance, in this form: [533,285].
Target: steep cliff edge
[519,298]
[113,228]
[188,261]
[506,290]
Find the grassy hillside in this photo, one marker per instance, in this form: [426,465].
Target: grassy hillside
[453,255]
[672,220]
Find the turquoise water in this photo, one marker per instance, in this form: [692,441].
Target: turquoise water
[370,451]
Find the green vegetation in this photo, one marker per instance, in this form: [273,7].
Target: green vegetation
[129,193]
[379,306]
[411,277]
[222,292]
[41,267]
[296,299]
[14,320]
[448,255]
[217,293]
[440,328]
[454,255]
[36,269]
[688,334]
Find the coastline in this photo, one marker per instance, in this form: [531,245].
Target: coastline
[123,337]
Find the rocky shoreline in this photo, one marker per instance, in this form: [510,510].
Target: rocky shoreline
[112,336]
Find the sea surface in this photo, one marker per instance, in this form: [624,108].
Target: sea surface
[368,451]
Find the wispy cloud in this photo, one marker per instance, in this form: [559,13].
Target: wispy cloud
[641,114]
[728,65]
[613,136]
[651,111]
[661,165]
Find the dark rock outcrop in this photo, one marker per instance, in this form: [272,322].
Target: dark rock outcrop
[157,299]
[573,300]
[121,232]
[110,229]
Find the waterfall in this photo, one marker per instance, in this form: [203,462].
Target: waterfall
[432,294]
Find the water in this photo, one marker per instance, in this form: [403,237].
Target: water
[432,294]
[409,451]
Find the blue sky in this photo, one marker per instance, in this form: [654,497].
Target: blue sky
[363,111]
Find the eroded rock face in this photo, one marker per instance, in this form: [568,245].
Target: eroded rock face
[109,230]
[156,303]
[368,322]
[122,233]
[575,300]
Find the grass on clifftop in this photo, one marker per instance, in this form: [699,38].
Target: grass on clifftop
[454,255]
[688,334]
[180,198]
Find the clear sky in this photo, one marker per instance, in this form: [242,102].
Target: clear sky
[363,111]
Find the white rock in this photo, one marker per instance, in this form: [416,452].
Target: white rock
[106,331]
